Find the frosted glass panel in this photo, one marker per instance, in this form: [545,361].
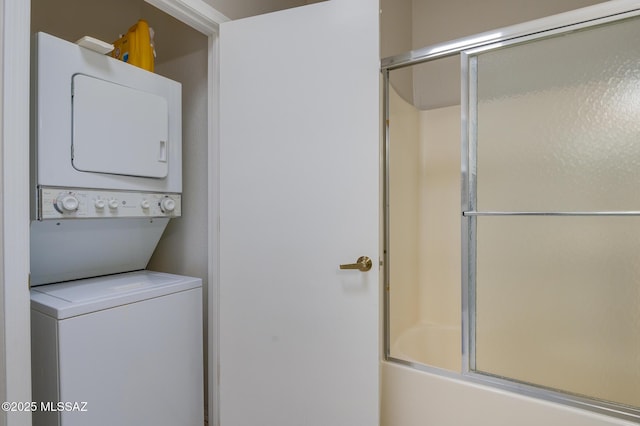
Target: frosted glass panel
[558,303]
[558,123]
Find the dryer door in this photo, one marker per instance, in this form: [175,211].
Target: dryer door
[118,130]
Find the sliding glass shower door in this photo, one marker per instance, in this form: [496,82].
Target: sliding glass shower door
[551,204]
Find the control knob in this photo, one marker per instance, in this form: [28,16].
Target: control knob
[67,203]
[99,204]
[145,204]
[167,205]
[113,204]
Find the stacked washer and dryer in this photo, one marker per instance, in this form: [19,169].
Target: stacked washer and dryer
[122,342]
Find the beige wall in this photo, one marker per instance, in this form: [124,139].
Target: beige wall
[437,21]
[412,24]
[235,9]
[72,19]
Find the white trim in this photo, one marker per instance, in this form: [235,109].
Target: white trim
[213,224]
[3,369]
[14,204]
[195,13]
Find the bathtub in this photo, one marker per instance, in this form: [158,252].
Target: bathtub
[411,397]
[430,344]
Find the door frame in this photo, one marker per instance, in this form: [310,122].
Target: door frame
[15,340]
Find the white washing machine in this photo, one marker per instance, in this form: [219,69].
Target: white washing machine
[112,344]
[121,350]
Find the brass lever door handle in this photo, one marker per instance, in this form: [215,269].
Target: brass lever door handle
[363,264]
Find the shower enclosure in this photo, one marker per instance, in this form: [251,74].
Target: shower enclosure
[512,210]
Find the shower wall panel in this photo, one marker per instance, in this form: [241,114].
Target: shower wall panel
[424,247]
[403,215]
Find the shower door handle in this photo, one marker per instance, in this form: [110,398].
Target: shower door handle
[363,264]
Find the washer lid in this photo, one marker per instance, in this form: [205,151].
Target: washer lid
[69,299]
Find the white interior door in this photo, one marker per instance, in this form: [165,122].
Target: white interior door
[299,338]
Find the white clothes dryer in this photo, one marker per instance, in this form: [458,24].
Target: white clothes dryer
[100,123]
[106,162]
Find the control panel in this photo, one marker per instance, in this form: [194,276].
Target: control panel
[73,203]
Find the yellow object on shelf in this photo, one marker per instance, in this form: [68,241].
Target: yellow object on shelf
[136,46]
